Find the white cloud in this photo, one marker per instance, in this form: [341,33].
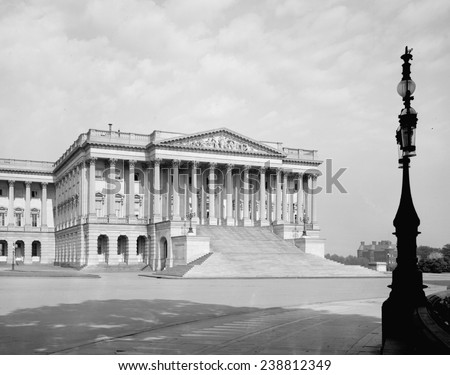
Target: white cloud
[311,74]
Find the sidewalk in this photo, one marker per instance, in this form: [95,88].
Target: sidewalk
[41,270]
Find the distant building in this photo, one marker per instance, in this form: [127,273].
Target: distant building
[383,251]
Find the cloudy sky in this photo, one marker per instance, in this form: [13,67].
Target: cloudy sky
[311,74]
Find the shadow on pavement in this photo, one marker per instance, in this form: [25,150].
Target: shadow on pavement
[50,329]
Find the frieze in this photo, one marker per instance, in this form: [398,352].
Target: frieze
[218,142]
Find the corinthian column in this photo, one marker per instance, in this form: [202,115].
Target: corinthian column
[278,198]
[313,205]
[11,203]
[229,195]
[27,203]
[91,183]
[212,220]
[175,189]
[157,191]
[130,204]
[285,200]
[44,205]
[111,196]
[299,198]
[262,197]
[246,219]
[194,191]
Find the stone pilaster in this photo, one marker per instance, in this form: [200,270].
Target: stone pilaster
[44,205]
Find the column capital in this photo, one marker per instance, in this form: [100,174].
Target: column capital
[92,161]
[44,185]
[132,163]
[194,164]
[230,167]
[11,182]
[112,162]
[262,170]
[157,162]
[28,183]
[176,163]
[213,165]
[246,167]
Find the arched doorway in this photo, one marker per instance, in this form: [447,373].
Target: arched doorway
[163,251]
[36,251]
[3,251]
[103,248]
[140,248]
[122,248]
[20,251]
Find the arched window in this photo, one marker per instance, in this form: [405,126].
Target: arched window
[36,249]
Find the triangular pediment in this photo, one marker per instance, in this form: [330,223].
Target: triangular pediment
[221,140]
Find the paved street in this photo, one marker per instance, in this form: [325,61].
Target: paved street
[122,313]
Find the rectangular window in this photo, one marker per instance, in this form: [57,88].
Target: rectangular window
[2,219]
[99,208]
[34,194]
[18,219]
[98,173]
[1,192]
[34,220]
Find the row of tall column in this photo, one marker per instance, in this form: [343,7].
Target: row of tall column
[231,196]
[27,213]
[170,197]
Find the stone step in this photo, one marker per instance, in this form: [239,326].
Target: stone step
[180,271]
[258,252]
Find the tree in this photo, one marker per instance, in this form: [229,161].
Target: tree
[424,251]
[446,251]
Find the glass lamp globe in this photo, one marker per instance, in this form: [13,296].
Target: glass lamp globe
[405,85]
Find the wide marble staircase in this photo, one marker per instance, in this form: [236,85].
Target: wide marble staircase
[257,252]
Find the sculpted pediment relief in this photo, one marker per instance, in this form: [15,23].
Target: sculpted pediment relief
[221,141]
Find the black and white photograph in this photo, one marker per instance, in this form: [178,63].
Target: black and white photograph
[224,185]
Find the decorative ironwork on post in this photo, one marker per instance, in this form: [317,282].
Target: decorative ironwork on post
[407,283]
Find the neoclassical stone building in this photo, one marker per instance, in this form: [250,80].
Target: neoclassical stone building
[117,197]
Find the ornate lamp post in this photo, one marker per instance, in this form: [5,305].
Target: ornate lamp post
[407,289]
[305,220]
[190,216]
[13,255]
